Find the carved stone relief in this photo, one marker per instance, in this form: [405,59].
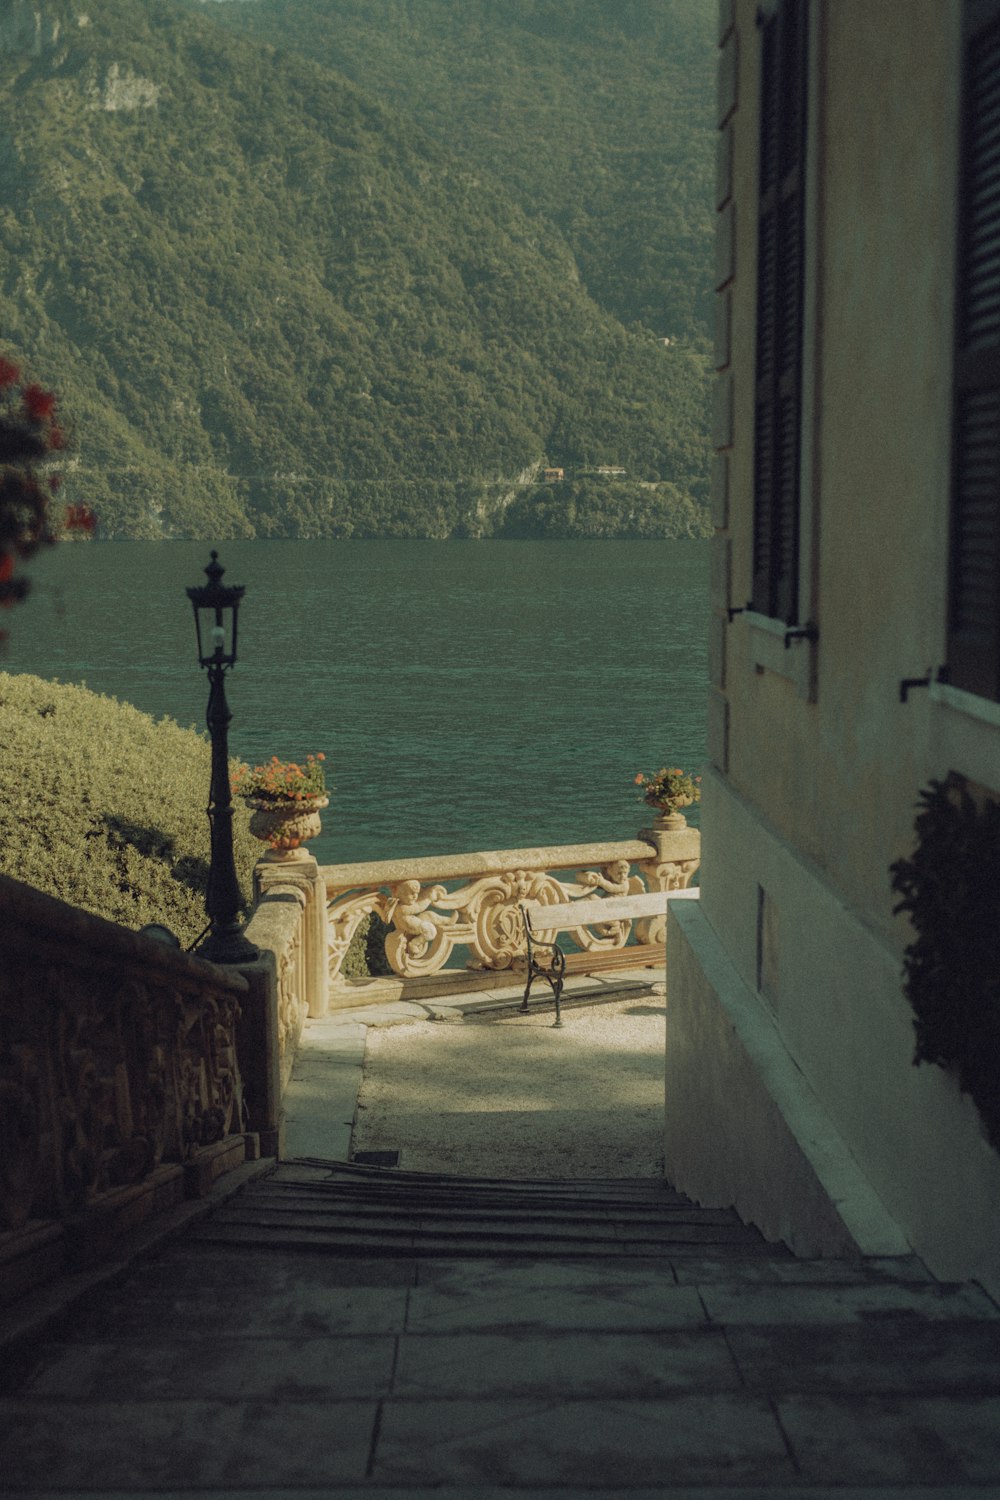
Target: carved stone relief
[430,921]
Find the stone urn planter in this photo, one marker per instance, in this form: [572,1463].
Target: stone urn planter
[671,817]
[285,826]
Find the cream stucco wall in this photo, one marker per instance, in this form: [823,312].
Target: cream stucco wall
[838,776]
[818,763]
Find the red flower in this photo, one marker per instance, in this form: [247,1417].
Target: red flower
[57,438]
[39,404]
[9,372]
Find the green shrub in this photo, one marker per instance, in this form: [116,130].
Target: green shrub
[951,971]
[104,807]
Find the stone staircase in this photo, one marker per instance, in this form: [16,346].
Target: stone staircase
[346,1209]
[333,1332]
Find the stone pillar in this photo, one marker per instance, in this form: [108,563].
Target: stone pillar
[673,862]
[301,872]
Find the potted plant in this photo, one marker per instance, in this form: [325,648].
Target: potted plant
[286,798]
[668,790]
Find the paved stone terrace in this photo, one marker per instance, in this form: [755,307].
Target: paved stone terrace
[224,1369]
[323,1332]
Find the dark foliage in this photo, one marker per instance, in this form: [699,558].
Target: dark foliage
[950,890]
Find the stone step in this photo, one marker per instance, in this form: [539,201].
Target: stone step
[313,1169]
[399,1199]
[458,1228]
[420,1244]
[340,1210]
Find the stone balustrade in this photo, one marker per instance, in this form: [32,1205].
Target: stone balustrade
[121,1089]
[132,1074]
[469,902]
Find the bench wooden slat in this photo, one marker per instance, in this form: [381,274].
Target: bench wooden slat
[566,914]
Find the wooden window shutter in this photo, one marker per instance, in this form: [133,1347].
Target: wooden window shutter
[780,279]
[974,584]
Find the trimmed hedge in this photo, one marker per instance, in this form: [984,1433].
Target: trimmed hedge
[104,807]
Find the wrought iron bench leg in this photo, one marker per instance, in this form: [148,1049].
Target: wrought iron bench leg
[554,973]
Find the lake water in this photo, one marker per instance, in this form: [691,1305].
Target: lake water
[467,695]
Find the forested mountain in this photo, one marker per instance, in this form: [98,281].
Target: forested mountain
[596,115]
[273,305]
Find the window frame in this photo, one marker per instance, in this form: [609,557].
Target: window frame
[973,608]
[783,243]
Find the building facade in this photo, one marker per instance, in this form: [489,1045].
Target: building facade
[855,648]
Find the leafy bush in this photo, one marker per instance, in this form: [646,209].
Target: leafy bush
[104,807]
[952,968]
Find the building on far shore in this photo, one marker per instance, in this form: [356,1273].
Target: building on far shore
[855,634]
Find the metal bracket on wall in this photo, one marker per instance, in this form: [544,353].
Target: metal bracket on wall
[941,675]
[801,633]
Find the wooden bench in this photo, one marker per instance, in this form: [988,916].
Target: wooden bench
[542,922]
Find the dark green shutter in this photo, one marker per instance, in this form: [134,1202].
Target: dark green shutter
[974,593]
[780,279]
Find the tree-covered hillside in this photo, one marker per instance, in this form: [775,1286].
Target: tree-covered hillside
[596,115]
[271,305]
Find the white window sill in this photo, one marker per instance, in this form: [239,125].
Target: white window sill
[965,734]
[768,652]
[982,709]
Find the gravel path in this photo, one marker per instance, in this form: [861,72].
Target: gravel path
[510,1096]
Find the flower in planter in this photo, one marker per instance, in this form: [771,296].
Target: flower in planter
[669,788]
[282,781]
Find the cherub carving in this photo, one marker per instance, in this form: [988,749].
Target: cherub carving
[406,912]
[614,880]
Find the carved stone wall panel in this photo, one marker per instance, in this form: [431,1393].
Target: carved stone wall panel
[116,1055]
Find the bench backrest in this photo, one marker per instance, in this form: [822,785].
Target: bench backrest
[565,914]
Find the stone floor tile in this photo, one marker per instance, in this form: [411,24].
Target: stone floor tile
[209,1310]
[788,1271]
[245,1369]
[190,1444]
[564,1365]
[668,1491]
[580,1443]
[844,1304]
[894,1439]
[534,1307]
[307,1136]
[483,1277]
[900,1354]
[186,1264]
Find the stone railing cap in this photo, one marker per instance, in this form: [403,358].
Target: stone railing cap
[30,918]
[452,866]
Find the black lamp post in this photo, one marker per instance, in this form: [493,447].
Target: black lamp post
[215,609]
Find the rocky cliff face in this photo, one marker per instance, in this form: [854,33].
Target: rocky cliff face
[27,30]
[121,88]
